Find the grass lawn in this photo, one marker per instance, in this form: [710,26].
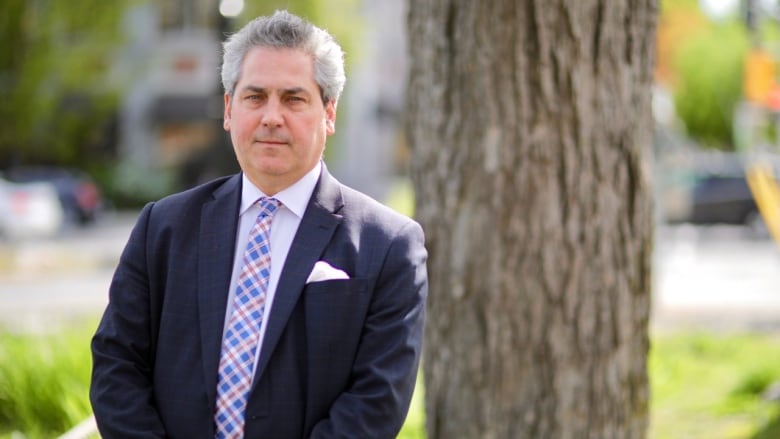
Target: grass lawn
[708,386]
[704,385]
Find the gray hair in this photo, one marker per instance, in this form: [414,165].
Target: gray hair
[285,30]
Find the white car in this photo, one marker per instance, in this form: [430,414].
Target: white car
[29,210]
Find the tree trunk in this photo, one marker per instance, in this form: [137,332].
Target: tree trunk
[530,129]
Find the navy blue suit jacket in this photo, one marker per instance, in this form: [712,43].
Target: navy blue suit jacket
[339,358]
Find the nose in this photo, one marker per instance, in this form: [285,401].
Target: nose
[272,114]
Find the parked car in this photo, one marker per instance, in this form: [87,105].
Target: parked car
[79,195]
[711,188]
[29,210]
[726,199]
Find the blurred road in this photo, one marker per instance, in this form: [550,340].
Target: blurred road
[717,276]
[703,277]
[46,282]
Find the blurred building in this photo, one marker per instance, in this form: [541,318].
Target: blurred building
[171,117]
[373,152]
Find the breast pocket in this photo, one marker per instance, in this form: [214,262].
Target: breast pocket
[335,312]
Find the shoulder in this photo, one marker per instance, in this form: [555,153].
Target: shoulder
[364,211]
[201,193]
[184,207]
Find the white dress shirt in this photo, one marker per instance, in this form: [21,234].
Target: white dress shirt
[283,227]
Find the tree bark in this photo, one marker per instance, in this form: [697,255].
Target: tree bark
[530,129]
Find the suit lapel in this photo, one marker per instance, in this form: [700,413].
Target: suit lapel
[314,233]
[218,222]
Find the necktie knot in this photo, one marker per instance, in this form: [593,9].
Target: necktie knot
[268,206]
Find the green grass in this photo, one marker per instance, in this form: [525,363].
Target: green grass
[704,385]
[414,427]
[708,386]
[44,382]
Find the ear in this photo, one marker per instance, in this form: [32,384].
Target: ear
[330,118]
[226,116]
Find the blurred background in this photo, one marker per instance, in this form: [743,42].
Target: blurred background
[105,106]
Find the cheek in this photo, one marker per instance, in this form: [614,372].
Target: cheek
[242,128]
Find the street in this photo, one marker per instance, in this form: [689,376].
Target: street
[47,282]
[717,276]
[714,277]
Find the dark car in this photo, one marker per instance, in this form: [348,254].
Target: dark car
[724,197]
[80,197]
[706,187]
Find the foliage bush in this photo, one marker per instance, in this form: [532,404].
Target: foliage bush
[44,382]
[58,88]
[710,75]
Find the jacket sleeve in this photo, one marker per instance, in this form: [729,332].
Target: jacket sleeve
[385,368]
[123,347]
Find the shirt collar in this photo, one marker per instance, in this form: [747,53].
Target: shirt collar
[295,198]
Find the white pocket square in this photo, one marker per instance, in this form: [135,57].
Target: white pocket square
[324,271]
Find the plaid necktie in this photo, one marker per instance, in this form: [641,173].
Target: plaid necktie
[239,345]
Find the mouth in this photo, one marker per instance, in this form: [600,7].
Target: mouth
[271,141]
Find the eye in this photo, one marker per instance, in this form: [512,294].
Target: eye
[254,97]
[295,98]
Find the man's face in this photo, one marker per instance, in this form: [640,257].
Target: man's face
[276,118]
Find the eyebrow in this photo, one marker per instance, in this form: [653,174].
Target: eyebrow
[285,91]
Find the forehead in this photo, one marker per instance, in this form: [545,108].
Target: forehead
[271,68]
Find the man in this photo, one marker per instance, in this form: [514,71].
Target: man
[319,338]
